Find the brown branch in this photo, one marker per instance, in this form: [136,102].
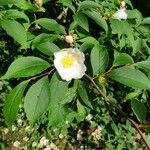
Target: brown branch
[106,99]
[44,74]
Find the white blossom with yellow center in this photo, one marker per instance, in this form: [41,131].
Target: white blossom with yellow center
[69,63]
[120,14]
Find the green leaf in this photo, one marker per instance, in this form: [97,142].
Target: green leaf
[146,21]
[83,95]
[99,59]
[137,46]
[135,14]
[122,59]
[81,112]
[48,48]
[6,2]
[122,27]
[82,21]
[131,95]
[50,25]
[37,100]
[88,4]
[15,14]
[25,67]
[57,112]
[130,77]
[11,104]
[70,95]
[15,30]
[144,65]
[139,110]
[97,17]
[69,4]
[90,40]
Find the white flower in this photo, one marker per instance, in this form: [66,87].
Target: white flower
[120,14]
[16,144]
[69,63]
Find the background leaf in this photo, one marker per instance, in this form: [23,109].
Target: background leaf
[139,110]
[11,105]
[37,100]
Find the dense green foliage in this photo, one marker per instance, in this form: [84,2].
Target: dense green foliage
[117,61]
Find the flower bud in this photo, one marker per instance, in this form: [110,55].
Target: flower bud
[69,39]
[122,4]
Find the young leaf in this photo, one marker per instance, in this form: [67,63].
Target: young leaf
[99,59]
[15,30]
[130,77]
[57,112]
[139,110]
[25,67]
[97,18]
[11,104]
[122,59]
[51,25]
[37,100]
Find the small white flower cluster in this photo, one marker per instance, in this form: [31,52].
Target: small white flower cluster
[89,117]
[17,144]
[121,14]
[45,144]
[97,133]
[69,63]
[79,135]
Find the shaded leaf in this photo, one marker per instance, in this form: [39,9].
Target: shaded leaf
[37,100]
[15,30]
[97,18]
[139,110]
[11,104]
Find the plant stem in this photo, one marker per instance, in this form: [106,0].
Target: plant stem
[135,125]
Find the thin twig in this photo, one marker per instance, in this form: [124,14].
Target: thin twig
[44,74]
[136,126]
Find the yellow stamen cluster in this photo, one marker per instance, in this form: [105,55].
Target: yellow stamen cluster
[67,61]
